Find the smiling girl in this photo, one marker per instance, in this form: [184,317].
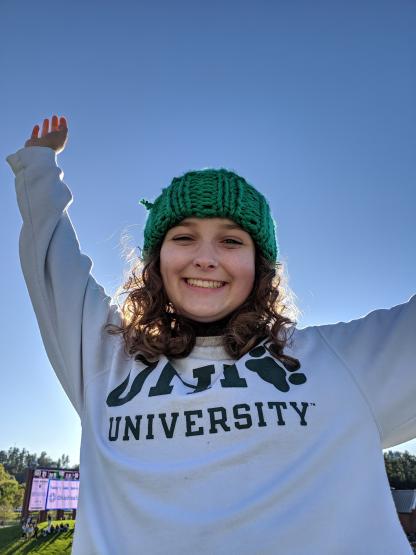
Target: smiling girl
[211,424]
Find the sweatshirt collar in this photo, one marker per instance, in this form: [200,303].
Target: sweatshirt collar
[210,348]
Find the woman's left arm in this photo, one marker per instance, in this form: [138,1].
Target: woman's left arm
[379,350]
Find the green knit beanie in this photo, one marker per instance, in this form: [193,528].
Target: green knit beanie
[211,193]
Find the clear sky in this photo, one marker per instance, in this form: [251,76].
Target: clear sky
[312,102]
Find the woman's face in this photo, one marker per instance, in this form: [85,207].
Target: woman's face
[207,267]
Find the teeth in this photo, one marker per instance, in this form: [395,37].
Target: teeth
[205,283]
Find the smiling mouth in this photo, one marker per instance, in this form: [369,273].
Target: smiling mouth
[205,283]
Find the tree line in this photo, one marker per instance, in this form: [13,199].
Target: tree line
[400,468]
[15,462]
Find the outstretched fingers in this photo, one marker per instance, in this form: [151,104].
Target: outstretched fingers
[55,137]
[54,124]
[63,123]
[45,127]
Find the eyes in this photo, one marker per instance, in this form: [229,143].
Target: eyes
[187,238]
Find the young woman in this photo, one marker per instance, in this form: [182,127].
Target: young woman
[210,423]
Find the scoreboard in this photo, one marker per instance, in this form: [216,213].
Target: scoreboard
[53,488]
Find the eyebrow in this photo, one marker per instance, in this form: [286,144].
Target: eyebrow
[224,226]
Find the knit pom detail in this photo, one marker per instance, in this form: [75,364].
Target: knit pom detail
[146,203]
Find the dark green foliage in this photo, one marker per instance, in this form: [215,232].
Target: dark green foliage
[401,469]
[16,461]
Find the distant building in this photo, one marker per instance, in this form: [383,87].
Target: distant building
[405,501]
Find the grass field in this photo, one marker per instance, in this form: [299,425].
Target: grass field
[11,542]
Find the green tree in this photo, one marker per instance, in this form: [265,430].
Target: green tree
[4,475]
[16,461]
[44,460]
[63,461]
[11,493]
[401,469]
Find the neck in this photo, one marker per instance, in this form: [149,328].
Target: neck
[206,329]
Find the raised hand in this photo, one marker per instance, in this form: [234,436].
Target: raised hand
[55,139]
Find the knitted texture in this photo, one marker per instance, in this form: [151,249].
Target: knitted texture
[211,193]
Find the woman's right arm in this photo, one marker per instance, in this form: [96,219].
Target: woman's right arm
[70,307]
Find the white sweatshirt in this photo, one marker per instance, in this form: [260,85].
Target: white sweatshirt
[210,455]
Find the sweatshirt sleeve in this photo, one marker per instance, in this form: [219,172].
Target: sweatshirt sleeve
[70,307]
[379,351]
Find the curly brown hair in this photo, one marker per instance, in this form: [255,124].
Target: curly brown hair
[151,327]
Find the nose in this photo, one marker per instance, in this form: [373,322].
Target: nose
[205,259]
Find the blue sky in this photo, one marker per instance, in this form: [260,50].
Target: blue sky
[313,102]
